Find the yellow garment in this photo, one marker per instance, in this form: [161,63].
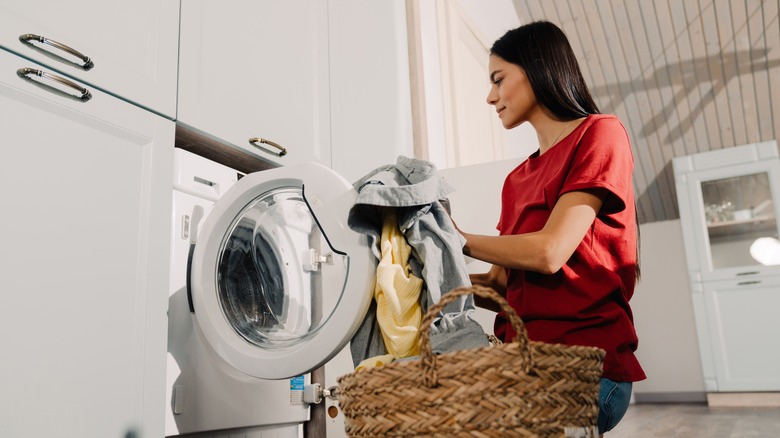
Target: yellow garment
[397,291]
[375,361]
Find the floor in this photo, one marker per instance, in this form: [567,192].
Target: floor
[697,420]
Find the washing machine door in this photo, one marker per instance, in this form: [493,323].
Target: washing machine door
[278,281]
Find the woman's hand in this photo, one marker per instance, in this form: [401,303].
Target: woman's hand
[494,279]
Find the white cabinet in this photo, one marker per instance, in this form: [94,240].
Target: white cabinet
[740,319]
[133,45]
[729,204]
[371,121]
[83,262]
[326,80]
[258,69]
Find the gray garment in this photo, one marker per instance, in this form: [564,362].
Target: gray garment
[415,189]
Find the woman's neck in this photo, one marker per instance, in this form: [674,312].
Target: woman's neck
[553,131]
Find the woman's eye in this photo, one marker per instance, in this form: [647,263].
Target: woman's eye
[497,81]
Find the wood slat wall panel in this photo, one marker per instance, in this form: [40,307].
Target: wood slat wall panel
[579,26]
[729,67]
[667,64]
[680,59]
[715,64]
[562,12]
[759,65]
[772,32]
[693,128]
[744,71]
[666,118]
[703,80]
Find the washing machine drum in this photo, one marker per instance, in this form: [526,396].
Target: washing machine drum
[278,282]
[250,285]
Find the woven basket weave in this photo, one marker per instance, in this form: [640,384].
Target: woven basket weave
[523,388]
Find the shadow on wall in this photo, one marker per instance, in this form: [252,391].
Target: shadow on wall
[684,77]
[652,196]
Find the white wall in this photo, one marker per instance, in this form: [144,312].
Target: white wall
[476,204]
[492,21]
[370,93]
[663,314]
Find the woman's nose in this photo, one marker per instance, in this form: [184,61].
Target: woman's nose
[492,96]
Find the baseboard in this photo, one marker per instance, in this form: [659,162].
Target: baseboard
[670,397]
[743,399]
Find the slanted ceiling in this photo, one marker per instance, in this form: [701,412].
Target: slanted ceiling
[685,76]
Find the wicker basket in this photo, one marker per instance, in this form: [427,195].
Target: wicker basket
[523,388]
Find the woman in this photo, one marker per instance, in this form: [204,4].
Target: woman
[566,257]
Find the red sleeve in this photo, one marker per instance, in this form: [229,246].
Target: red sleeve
[603,159]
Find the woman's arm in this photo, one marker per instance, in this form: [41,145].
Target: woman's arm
[547,250]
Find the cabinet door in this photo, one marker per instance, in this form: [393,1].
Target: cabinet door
[728,211]
[83,262]
[132,43]
[258,69]
[371,120]
[743,331]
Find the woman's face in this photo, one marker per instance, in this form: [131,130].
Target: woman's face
[510,92]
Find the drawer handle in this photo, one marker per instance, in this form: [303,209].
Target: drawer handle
[255,140]
[745,283]
[25,72]
[28,37]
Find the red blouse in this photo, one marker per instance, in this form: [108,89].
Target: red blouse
[586,301]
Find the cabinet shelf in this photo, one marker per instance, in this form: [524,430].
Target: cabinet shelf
[757,219]
[756,224]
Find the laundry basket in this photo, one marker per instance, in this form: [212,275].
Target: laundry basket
[523,388]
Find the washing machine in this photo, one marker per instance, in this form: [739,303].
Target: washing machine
[267,284]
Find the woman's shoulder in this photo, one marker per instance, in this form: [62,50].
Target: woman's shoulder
[602,119]
[603,124]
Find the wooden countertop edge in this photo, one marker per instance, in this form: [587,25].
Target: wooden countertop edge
[215,149]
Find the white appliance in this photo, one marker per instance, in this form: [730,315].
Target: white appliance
[267,284]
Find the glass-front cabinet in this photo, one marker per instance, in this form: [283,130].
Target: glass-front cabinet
[728,202]
[728,209]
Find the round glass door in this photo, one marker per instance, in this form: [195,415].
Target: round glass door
[269,291]
[279,283]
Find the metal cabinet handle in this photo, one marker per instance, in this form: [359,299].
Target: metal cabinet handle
[254,140]
[745,283]
[28,37]
[25,72]
[739,274]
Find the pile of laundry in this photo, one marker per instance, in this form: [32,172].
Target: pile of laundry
[403,210]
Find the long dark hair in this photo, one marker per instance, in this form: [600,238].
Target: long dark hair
[542,50]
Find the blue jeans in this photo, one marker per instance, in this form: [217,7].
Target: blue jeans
[613,403]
